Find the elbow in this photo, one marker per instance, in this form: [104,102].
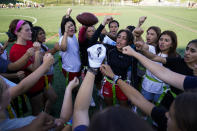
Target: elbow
[63,48]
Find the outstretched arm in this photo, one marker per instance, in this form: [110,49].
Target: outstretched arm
[161,72]
[133,95]
[138,31]
[97,33]
[144,48]
[82,102]
[67,109]
[142,19]
[96,55]
[30,80]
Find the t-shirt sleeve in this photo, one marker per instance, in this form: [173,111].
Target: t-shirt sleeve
[81,128]
[151,49]
[172,63]
[190,82]
[158,115]
[3,65]
[60,40]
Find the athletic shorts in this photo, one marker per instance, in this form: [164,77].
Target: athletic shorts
[71,75]
[107,92]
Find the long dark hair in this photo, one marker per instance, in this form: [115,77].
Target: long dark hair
[156,29]
[172,51]
[185,107]
[129,36]
[11,31]
[36,30]
[193,42]
[117,119]
[64,21]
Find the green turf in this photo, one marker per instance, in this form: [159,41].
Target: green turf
[50,17]
[168,18]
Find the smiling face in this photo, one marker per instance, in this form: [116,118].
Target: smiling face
[165,43]
[90,31]
[41,37]
[25,33]
[151,37]
[121,41]
[190,55]
[71,30]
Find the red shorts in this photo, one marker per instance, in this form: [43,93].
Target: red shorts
[50,78]
[71,75]
[107,92]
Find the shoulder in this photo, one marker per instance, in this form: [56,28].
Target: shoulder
[190,82]
[152,49]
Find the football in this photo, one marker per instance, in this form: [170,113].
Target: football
[87,19]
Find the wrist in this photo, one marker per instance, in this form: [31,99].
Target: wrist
[37,52]
[103,23]
[27,54]
[112,76]
[93,70]
[116,78]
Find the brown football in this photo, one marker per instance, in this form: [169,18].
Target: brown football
[87,19]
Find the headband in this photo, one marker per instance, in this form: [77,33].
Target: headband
[18,26]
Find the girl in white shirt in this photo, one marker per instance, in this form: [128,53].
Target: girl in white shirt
[69,45]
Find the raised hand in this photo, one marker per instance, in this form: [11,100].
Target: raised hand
[142,20]
[106,20]
[141,46]
[68,12]
[128,51]
[74,83]
[138,31]
[57,47]
[36,46]
[20,74]
[48,59]
[107,71]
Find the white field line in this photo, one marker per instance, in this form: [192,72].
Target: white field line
[35,19]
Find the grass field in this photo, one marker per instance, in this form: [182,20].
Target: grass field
[181,20]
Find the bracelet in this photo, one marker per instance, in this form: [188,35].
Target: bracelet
[116,78]
[93,70]
[68,123]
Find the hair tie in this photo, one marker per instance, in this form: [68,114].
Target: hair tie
[18,26]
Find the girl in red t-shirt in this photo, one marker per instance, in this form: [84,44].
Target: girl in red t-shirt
[20,31]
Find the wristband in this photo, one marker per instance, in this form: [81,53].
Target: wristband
[93,70]
[116,78]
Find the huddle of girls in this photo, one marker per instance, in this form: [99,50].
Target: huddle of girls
[159,47]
